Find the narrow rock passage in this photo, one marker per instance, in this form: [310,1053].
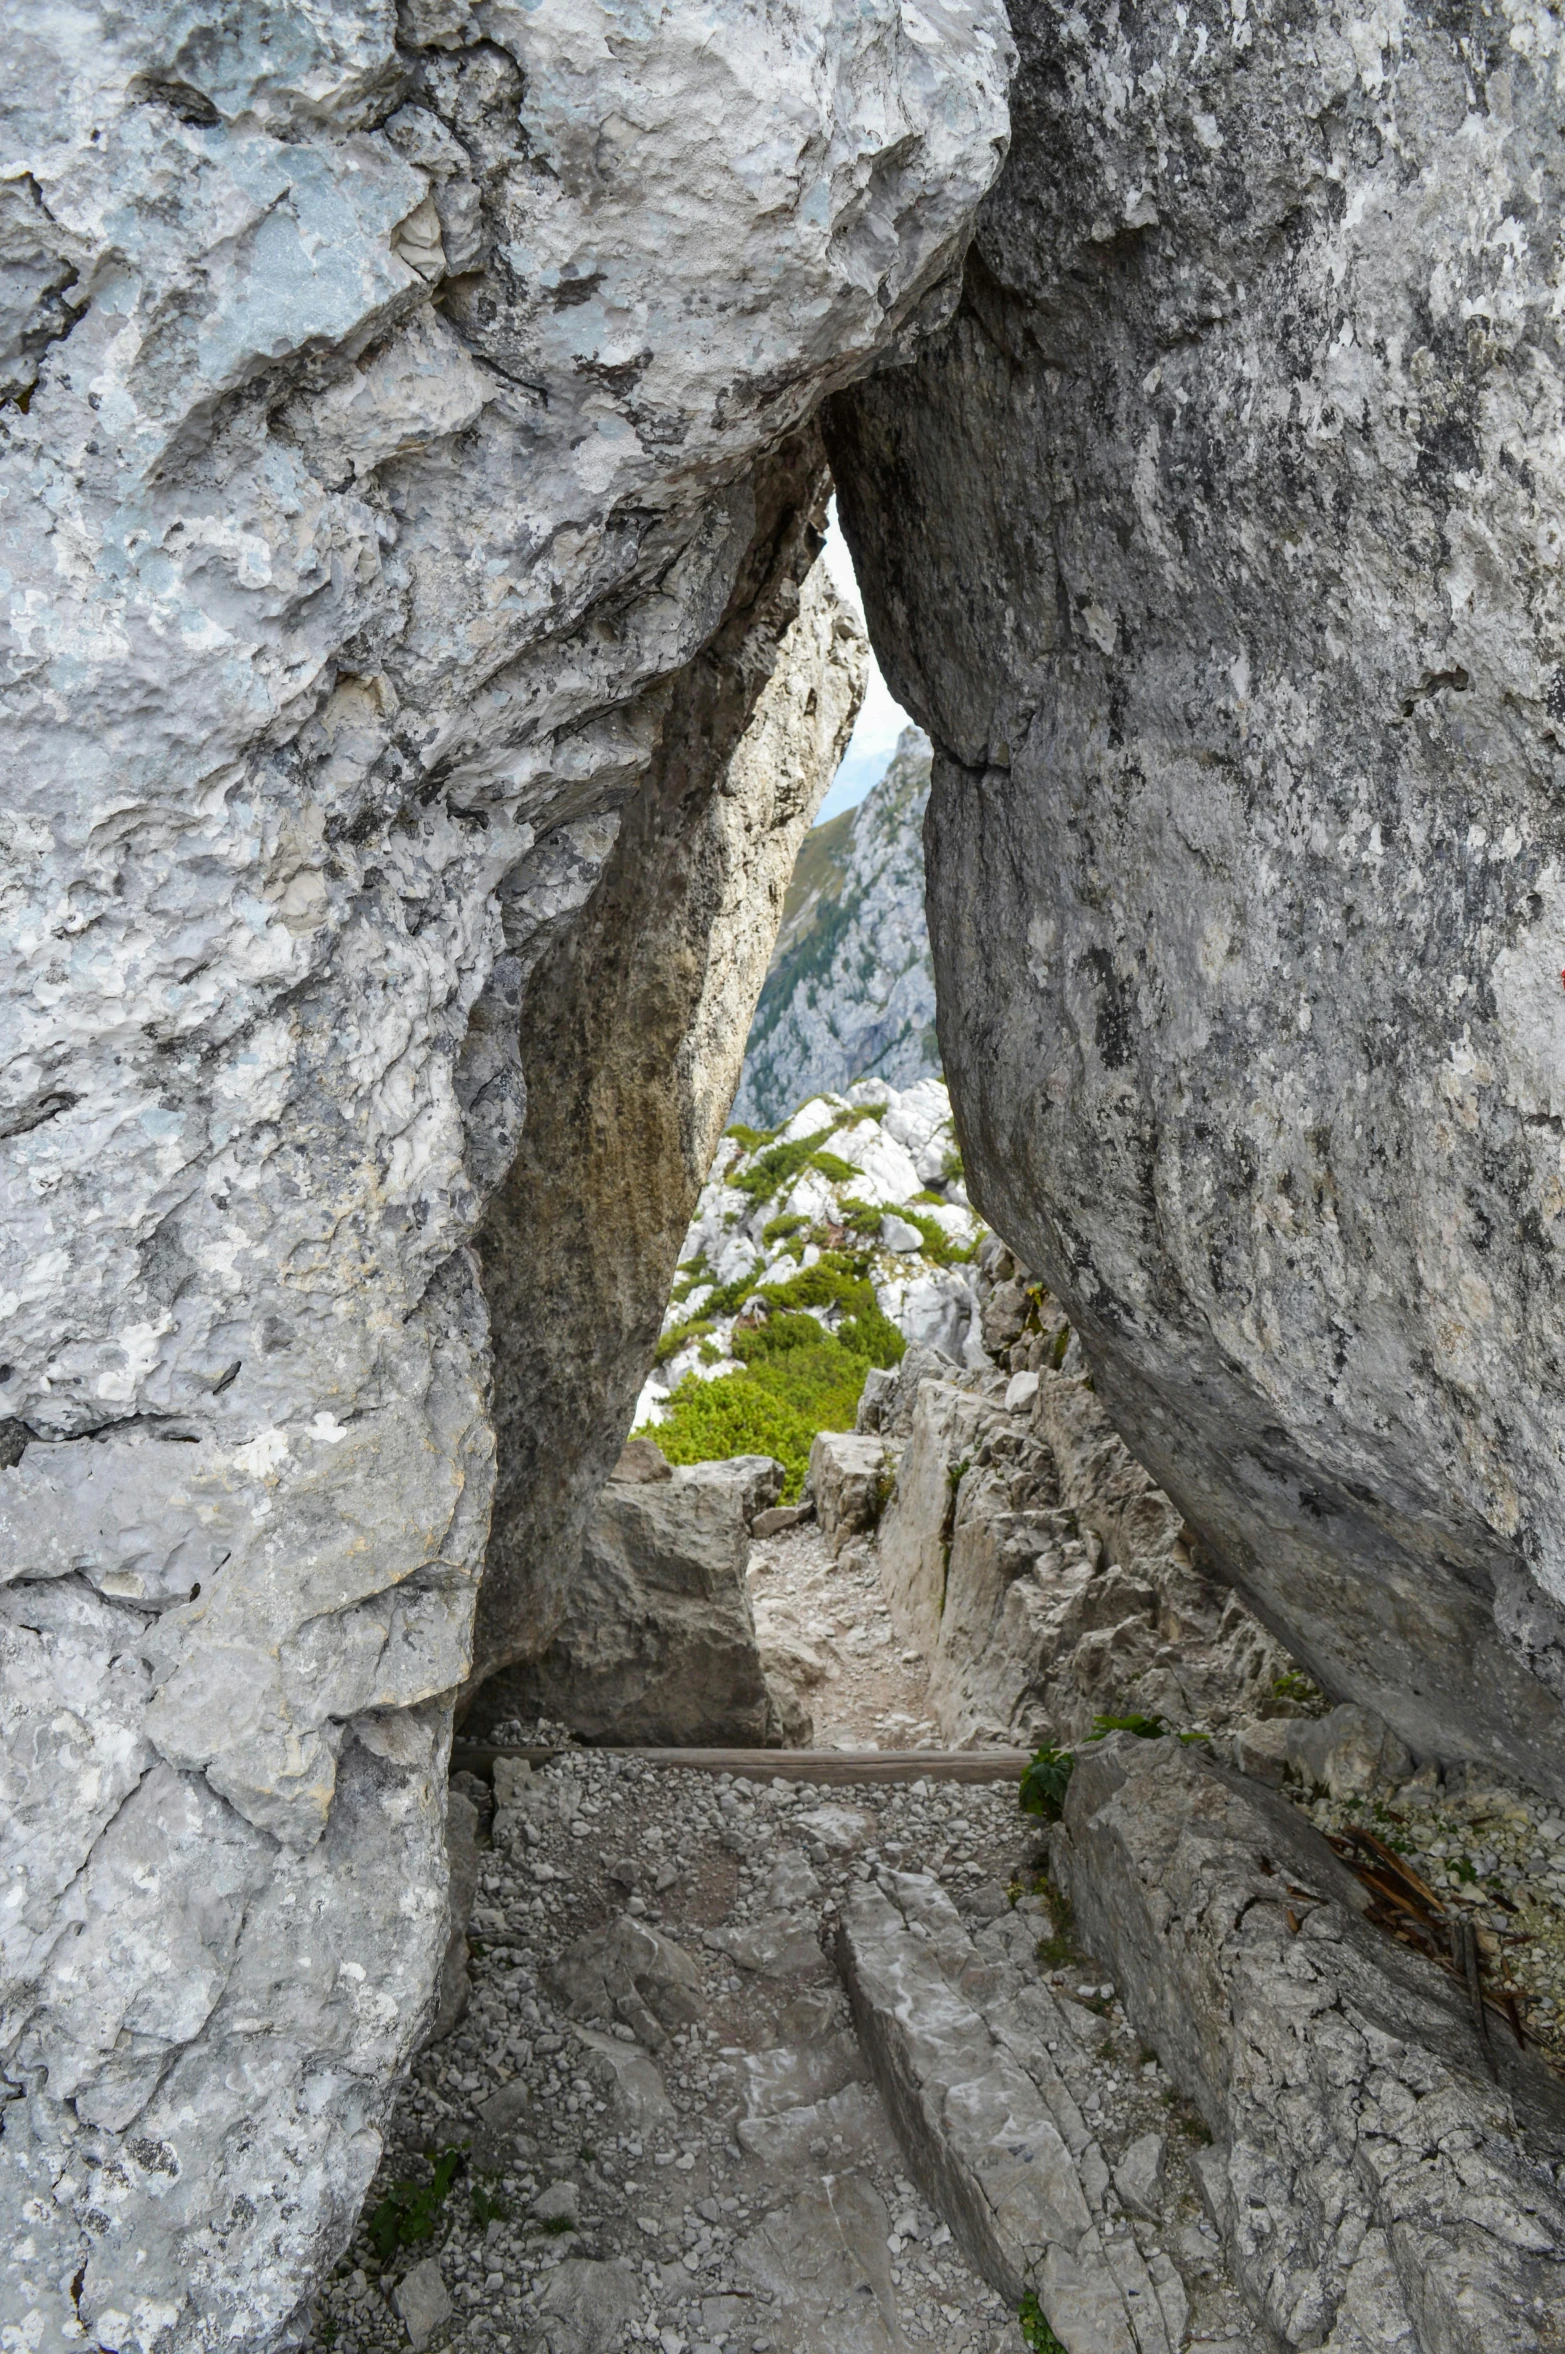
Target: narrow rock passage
[669,2137]
[656,2125]
[825,1626]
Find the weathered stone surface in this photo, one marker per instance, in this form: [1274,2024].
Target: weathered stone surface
[658,1643]
[1214,548]
[1350,1753]
[991,2131]
[915,1531]
[846,1472]
[452,1989]
[1043,1575]
[630,1973]
[399,414]
[423,2302]
[587,2305]
[632,1034]
[1378,2186]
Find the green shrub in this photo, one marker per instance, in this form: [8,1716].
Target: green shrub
[410,2210]
[679,1336]
[777,1334]
[797,1378]
[1036,2332]
[771,1170]
[750,1139]
[738,1414]
[1046,1781]
[833,1168]
[779,1229]
[862,1217]
[937,1243]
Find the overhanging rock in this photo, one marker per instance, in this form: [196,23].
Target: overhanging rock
[389,391]
[1214,546]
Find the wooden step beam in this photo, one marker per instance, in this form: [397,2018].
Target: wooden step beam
[826,1766]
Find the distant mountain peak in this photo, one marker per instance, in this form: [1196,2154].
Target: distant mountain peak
[851,990]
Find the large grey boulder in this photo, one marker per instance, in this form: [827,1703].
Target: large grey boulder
[657,1646]
[393,422]
[1382,2176]
[1215,549]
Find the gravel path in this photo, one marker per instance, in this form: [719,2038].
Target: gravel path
[735,2187]
[825,1623]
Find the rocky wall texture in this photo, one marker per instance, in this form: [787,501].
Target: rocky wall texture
[633,1032]
[850,993]
[386,394]
[1217,547]
[1385,2175]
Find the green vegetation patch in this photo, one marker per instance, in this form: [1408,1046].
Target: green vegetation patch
[679,1336]
[1036,2332]
[1047,1777]
[833,1168]
[410,2211]
[774,1168]
[798,1378]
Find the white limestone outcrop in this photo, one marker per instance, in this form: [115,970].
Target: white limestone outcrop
[385,395]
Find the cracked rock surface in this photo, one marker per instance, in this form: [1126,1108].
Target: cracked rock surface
[396,407]
[674,2139]
[1385,2178]
[1216,549]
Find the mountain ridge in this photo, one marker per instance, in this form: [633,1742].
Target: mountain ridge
[850,992]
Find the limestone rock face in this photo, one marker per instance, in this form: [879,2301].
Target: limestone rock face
[1383,2178]
[1215,547]
[1044,1576]
[850,993]
[632,1032]
[392,394]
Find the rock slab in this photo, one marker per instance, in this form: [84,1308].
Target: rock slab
[1377,2185]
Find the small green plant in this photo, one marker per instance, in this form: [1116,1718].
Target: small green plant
[680,1336]
[1463,1870]
[1062,1341]
[410,2210]
[558,2225]
[951,1169]
[1292,1685]
[1035,2327]
[327,2333]
[833,1167]
[779,1229]
[487,2208]
[1145,1728]
[1046,1781]
[776,1165]
[749,1139]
